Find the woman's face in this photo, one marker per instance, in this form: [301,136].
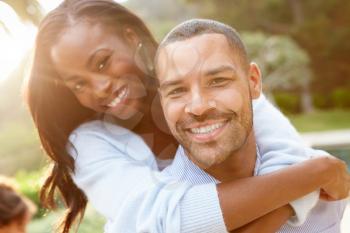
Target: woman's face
[99,67]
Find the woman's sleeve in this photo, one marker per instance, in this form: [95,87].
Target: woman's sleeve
[280,145]
[133,195]
[278,142]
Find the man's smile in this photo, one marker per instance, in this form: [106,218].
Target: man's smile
[206,132]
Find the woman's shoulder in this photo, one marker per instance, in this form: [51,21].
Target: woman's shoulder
[99,133]
[101,128]
[108,139]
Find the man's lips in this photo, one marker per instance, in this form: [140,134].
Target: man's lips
[206,132]
[190,126]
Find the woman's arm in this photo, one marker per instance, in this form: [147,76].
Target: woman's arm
[269,223]
[253,197]
[280,145]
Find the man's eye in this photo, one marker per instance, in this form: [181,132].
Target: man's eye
[218,82]
[176,91]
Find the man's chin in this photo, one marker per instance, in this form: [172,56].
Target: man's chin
[205,159]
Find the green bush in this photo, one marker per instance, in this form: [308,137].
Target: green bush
[288,102]
[321,101]
[29,185]
[341,97]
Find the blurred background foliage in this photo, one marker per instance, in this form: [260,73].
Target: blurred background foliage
[302,47]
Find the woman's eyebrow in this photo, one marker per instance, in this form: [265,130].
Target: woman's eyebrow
[70,78]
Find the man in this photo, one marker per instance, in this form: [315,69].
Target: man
[207,85]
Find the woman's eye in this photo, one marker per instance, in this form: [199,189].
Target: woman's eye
[78,87]
[102,65]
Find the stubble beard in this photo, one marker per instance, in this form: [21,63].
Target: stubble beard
[206,155]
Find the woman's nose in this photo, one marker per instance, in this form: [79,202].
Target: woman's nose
[101,86]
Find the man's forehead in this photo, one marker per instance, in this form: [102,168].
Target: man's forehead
[203,42]
[182,57]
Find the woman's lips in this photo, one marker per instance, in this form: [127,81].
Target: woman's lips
[122,95]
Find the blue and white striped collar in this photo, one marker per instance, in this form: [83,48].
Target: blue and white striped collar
[184,169]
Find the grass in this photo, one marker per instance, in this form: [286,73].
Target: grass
[322,120]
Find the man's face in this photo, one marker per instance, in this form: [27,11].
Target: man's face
[206,94]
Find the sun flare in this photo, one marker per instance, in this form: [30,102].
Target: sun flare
[16,39]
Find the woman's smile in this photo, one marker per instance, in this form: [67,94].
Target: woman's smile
[120,97]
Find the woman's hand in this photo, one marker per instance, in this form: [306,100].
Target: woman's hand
[337,183]
[264,194]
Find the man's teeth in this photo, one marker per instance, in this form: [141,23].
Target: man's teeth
[117,99]
[206,129]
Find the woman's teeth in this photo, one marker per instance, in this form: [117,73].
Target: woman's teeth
[207,129]
[118,99]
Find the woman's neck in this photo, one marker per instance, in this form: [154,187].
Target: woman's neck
[155,132]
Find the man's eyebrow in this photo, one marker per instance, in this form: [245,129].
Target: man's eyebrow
[220,69]
[167,84]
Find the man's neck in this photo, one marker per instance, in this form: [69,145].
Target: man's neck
[240,164]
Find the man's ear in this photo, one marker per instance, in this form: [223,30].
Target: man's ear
[254,78]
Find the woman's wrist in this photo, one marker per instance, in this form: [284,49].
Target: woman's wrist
[321,168]
[333,175]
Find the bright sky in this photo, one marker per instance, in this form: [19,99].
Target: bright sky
[21,39]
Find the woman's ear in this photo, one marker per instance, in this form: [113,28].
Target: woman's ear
[131,37]
[142,56]
[255,84]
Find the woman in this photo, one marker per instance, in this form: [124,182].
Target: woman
[93,63]
[15,210]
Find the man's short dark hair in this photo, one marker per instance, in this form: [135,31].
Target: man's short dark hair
[196,27]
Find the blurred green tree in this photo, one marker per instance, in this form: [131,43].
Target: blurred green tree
[161,15]
[284,65]
[321,28]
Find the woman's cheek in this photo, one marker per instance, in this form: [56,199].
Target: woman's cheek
[83,100]
[88,102]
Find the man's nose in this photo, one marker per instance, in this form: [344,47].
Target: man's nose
[199,104]
[101,86]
